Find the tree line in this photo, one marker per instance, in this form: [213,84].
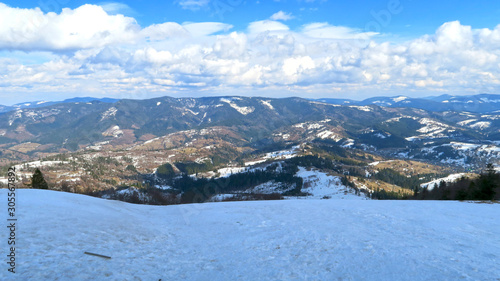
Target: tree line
[484,187]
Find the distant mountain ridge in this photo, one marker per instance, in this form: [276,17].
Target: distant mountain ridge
[36,104]
[482,103]
[243,124]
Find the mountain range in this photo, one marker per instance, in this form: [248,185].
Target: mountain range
[36,104]
[483,103]
[393,127]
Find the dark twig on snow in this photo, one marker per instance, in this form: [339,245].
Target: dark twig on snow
[97,255]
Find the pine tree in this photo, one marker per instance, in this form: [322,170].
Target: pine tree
[490,169]
[37,180]
[487,184]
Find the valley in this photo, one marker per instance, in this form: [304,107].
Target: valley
[114,149]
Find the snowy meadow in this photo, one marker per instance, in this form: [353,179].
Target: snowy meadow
[259,240]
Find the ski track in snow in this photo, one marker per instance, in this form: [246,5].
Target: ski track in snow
[266,240]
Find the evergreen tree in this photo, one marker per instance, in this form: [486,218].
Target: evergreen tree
[165,171]
[487,183]
[490,169]
[37,180]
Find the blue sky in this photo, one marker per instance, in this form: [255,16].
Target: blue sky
[55,49]
[416,17]
[354,13]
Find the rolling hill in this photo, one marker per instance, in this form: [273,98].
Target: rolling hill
[457,138]
[278,240]
[104,148]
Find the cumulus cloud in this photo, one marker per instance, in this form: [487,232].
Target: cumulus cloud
[281,16]
[88,26]
[206,28]
[294,66]
[164,31]
[114,8]
[111,54]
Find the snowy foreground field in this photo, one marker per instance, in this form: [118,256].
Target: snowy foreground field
[270,240]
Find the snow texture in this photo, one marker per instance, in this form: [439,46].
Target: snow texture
[400,98]
[266,240]
[309,126]
[466,122]
[328,135]
[283,154]
[321,185]
[268,104]
[226,172]
[108,113]
[241,109]
[450,178]
[266,188]
[348,143]
[432,129]
[113,131]
[38,164]
[481,125]
[362,108]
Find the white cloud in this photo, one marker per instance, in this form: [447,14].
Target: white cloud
[294,66]
[453,35]
[153,56]
[232,46]
[206,28]
[88,50]
[326,31]
[193,4]
[113,8]
[88,26]
[266,25]
[428,82]
[281,16]
[164,31]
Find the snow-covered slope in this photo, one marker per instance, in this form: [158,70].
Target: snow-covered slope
[321,185]
[269,240]
[450,178]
